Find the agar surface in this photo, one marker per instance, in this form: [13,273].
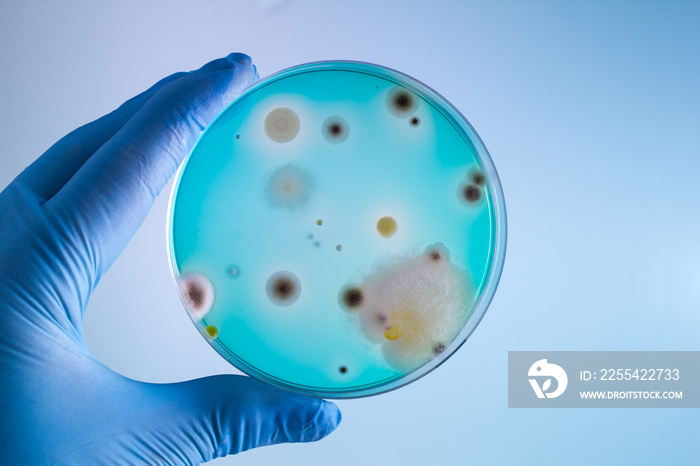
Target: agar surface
[309,196]
[281,124]
[412,307]
[197,292]
[283,288]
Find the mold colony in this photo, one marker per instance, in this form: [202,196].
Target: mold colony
[401,102]
[387,226]
[381,290]
[283,288]
[281,124]
[289,187]
[471,190]
[197,293]
[335,129]
[412,307]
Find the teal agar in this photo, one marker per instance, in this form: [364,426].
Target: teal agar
[348,145]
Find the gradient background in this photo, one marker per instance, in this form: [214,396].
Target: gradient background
[591,112]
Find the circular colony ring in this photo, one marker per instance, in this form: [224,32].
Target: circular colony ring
[338,231]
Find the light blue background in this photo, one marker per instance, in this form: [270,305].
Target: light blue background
[591,112]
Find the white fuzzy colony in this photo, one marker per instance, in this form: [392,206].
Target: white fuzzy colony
[415,307]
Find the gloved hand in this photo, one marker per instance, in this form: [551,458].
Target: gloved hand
[63,222]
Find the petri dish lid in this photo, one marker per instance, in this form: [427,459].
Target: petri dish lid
[339,230]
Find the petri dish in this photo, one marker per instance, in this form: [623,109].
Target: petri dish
[339,230]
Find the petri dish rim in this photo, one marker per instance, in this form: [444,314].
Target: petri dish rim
[498,225]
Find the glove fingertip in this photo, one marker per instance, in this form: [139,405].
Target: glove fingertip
[333,413]
[325,421]
[239,58]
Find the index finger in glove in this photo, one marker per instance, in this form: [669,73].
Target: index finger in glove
[108,198]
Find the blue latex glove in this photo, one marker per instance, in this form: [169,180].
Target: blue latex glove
[63,222]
